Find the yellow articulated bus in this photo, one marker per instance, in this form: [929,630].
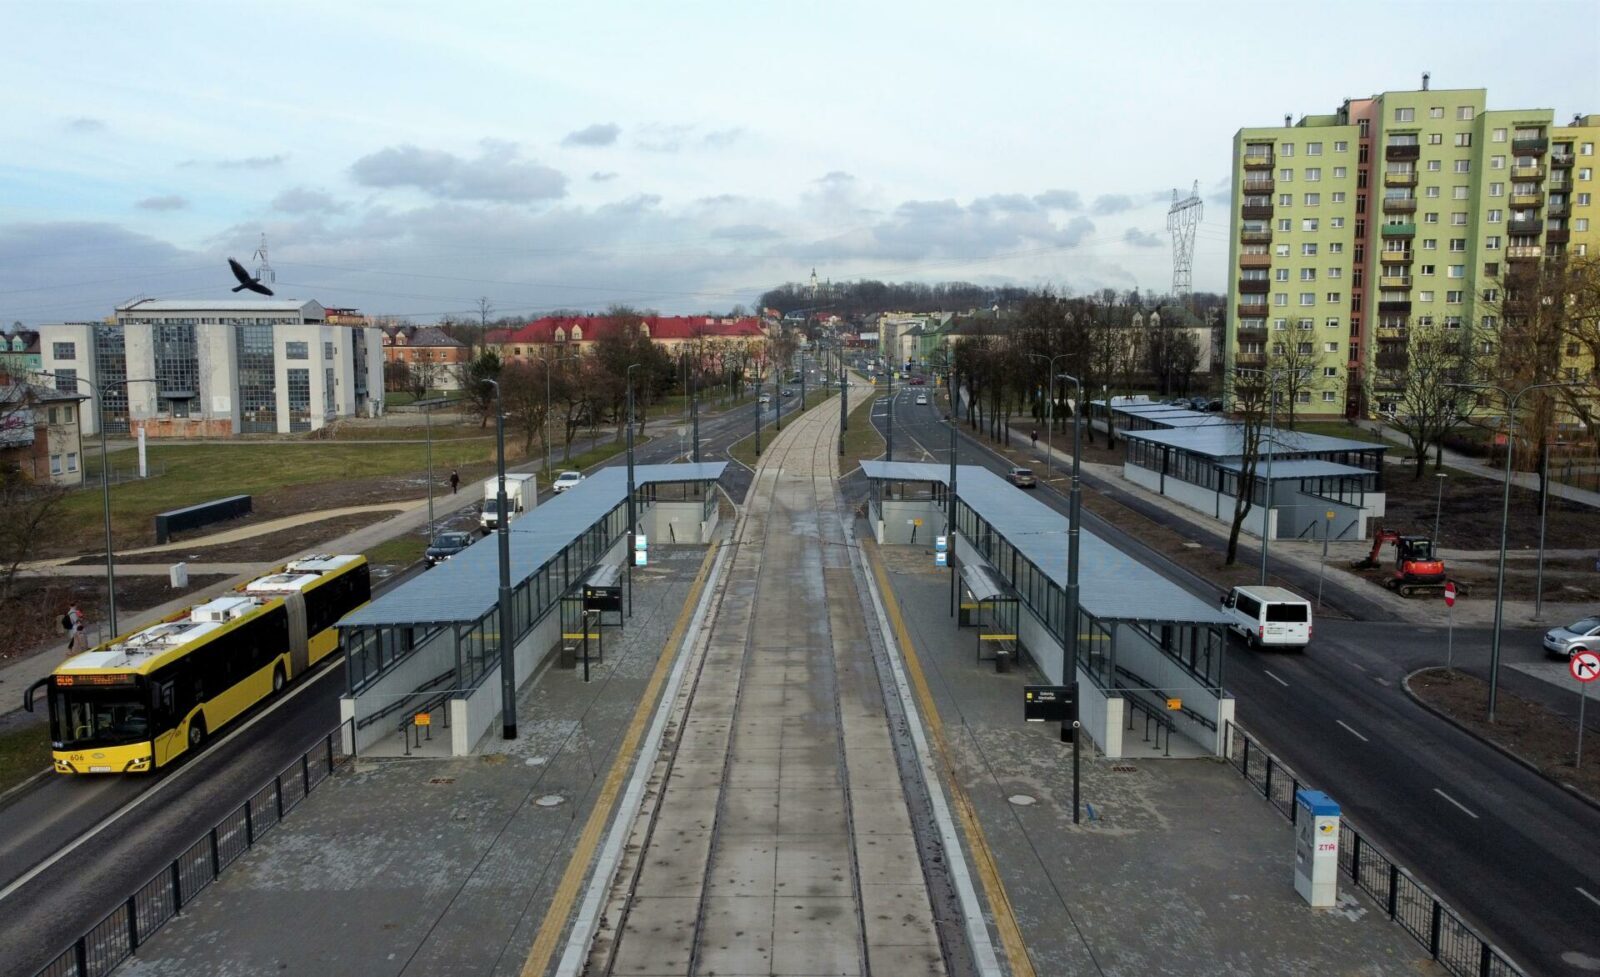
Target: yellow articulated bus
[145,698]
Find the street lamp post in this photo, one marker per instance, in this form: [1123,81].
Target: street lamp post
[889,441]
[694,409]
[549,462]
[508,662]
[1266,513]
[1438,506]
[427,422]
[633,516]
[100,387]
[758,411]
[1050,405]
[1505,516]
[1074,520]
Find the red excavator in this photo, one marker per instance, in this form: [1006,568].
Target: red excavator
[1417,570]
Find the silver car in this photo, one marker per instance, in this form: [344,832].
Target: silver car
[1579,636]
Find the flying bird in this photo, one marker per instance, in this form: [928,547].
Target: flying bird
[246,280]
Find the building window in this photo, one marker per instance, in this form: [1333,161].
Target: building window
[1464,113]
[1335,273]
[1286,176]
[1313,149]
[1456,271]
[1430,244]
[1308,224]
[1305,325]
[1334,298]
[1309,248]
[1313,199]
[1405,115]
[1336,247]
[1432,193]
[1285,224]
[55,464]
[1280,298]
[1497,162]
[1499,135]
[1463,139]
[1424,296]
[66,380]
[72,461]
[1329,396]
[1280,324]
[1286,149]
[1436,112]
[1308,298]
[64,351]
[1340,172]
[1433,166]
[1452,322]
[258,391]
[1494,216]
[1431,217]
[299,399]
[1302,397]
[1313,174]
[1308,274]
[1580,224]
[1583,200]
[1491,295]
[1338,197]
[1585,173]
[1458,193]
[1463,166]
[1285,200]
[1341,145]
[1333,322]
[296,351]
[1425,270]
[1453,297]
[1280,250]
[1280,274]
[1436,139]
[327,351]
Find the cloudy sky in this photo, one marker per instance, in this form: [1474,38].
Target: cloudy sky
[409,158]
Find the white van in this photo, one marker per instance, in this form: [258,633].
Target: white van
[1269,617]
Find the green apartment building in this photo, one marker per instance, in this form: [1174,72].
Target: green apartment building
[1397,211]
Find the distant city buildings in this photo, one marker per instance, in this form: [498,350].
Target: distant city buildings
[578,334]
[1351,231]
[425,356]
[40,432]
[215,368]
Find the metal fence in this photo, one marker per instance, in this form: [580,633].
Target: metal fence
[112,940]
[1445,935]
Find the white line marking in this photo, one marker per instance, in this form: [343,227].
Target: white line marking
[1275,678]
[1587,896]
[1457,803]
[1352,732]
[165,782]
[1355,664]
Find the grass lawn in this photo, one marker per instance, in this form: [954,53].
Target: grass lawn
[404,398]
[201,472]
[862,442]
[23,753]
[400,551]
[1340,429]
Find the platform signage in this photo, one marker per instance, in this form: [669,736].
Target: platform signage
[423,719]
[1049,704]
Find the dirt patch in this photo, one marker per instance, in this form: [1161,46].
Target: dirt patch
[257,549]
[1561,584]
[1470,512]
[1547,740]
[33,615]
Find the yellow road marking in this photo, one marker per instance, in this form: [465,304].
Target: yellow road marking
[566,894]
[994,890]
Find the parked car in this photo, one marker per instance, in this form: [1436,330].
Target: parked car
[1564,642]
[764,399]
[444,546]
[919,381]
[787,392]
[1021,478]
[1269,617]
[565,480]
[922,400]
[1198,403]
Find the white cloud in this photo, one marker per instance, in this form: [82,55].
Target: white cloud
[497,174]
[171,201]
[599,134]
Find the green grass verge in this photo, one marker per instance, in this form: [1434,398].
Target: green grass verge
[1340,429]
[201,472]
[399,551]
[862,442]
[23,753]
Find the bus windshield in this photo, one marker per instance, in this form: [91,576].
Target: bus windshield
[82,718]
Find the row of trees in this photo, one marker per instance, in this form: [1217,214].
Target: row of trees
[854,300]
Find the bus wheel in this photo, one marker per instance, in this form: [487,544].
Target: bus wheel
[277,680]
[197,733]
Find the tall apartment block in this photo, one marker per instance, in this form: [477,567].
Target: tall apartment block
[1401,210]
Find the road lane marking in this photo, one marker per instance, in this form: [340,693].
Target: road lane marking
[1275,678]
[1586,895]
[566,893]
[1352,732]
[1457,803]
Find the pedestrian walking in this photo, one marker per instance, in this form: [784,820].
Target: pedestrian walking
[1036,437]
[455,481]
[77,640]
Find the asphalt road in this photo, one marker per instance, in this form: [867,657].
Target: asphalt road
[1500,844]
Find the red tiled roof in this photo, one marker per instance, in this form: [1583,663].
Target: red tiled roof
[660,327]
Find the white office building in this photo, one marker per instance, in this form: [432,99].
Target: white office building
[219,367]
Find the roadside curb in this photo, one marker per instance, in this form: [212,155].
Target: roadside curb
[1503,750]
[15,791]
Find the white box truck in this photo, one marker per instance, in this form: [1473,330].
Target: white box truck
[522,494]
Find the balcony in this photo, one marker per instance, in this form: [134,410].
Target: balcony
[1559,211]
[1399,230]
[1252,309]
[1527,173]
[1393,359]
[1561,161]
[1255,212]
[1250,359]
[1401,306]
[1258,162]
[1527,200]
[1399,205]
[1255,237]
[1523,252]
[1531,226]
[1400,179]
[1535,145]
[1395,257]
[1395,281]
[1401,153]
[1391,334]
[1258,184]
[1254,286]
[1555,236]
[1255,261]
[1252,329]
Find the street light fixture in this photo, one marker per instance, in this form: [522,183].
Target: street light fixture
[1505,516]
[549,462]
[105,482]
[633,519]
[508,664]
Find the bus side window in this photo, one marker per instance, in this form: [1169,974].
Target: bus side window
[164,704]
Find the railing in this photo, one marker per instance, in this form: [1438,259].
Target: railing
[1399,205]
[1563,160]
[1524,251]
[115,938]
[1537,145]
[1256,237]
[1257,162]
[1448,938]
[1399,230]
[1527,173]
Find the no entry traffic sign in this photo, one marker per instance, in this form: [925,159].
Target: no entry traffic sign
[1450,593]
[1584,666]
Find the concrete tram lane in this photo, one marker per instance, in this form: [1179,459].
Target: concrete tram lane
[780,841]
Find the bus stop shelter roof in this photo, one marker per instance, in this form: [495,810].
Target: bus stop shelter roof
[1291,469]
[467,586]
[1112,586]
[1224,441]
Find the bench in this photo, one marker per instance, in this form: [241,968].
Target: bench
[200,514]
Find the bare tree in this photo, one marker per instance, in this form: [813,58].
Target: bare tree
[1430,403]
[1294,362]
[1252,393]
[522,389]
